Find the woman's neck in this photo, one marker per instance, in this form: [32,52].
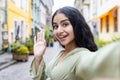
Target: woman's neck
[69,48]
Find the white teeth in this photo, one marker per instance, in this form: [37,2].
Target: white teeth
[61,36]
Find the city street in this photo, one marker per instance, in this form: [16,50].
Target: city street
[20,70]
[88,21]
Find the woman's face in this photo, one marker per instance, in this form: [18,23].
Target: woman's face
[63,29]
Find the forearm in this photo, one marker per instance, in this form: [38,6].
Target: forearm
[37,73]
[37,62]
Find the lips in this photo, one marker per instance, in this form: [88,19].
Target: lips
[62,37]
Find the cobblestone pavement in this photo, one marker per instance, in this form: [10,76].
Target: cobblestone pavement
[20,70]
[17,71]
[6,60]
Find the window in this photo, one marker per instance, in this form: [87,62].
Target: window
[2,3]
[13,1]
[24,5]
[107,23]
[101,25]
[83,0]
[115,21]
[15,27]
[22,29]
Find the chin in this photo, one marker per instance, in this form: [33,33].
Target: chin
[63,44]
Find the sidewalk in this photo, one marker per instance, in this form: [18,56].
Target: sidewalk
[6,60]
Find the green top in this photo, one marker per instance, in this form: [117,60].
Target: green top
[81,64]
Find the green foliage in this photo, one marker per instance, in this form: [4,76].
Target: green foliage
[47,33]
[115,38]
[29,43]
[19,49]
[101,43]
[14,47]
[22,50]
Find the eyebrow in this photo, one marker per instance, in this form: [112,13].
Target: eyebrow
[62,21]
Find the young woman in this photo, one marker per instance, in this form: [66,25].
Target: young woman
[80,59]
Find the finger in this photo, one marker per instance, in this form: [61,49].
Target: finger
[42,38]
[38,37]
[41,34]
[35,40]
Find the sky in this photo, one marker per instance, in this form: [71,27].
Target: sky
[61,3]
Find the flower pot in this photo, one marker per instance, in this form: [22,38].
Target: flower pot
[31,52]
[20,57]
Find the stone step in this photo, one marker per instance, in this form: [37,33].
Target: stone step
[6,64]
[6,60]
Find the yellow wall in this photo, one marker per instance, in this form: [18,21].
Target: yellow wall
[15,13]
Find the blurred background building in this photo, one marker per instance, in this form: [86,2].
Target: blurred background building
[18,19]
[41,14]
[22,19]
[103,16]
[3,24]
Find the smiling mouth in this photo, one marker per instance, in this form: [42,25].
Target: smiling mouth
[62,38]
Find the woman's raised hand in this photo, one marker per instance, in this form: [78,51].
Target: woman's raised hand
[39,45]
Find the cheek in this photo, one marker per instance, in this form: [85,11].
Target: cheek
[72,33]
[54,33]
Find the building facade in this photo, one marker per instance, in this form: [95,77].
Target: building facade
[103,17]
[35,14]
[49,4]
[3,31]
[109,25]
[19,19]
[41,14]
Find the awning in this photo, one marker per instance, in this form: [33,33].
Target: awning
[106,8]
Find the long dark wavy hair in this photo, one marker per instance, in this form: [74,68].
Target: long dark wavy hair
[82,32]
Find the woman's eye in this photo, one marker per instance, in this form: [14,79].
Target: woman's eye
[65,24]
[55,26]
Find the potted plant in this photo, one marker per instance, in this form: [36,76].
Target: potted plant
[19,52]
[29,44]
[14,47]
[47,35]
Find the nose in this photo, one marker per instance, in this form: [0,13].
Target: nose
[60,29]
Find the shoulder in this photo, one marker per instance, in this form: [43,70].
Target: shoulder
[83,52]
[83,64]
[84,56]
